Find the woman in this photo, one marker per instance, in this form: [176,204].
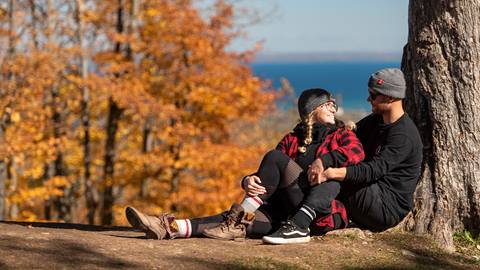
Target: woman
[283,195]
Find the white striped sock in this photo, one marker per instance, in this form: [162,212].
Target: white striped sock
[251,204]
[308,211]
[184,227]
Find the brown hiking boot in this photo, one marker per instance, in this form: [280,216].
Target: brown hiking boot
[155,227]
[234,227]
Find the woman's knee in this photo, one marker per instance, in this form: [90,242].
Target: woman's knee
[276,157]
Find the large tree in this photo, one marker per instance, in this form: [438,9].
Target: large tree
[441,64]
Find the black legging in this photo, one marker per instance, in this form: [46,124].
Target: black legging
[287,189]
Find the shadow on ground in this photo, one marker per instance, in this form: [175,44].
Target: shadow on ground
[59,253]
[75,226]
[422,253]
[246,264]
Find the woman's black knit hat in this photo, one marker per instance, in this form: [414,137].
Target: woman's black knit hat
[310,99]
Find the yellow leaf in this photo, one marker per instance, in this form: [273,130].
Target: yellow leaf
[16,117]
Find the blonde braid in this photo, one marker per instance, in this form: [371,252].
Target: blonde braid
[308,136]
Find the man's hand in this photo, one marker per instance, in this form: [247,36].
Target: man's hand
[253,187]
[315,172]
[335,173]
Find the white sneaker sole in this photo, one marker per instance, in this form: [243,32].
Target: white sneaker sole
[282,241]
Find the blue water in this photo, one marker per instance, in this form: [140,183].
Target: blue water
[346,80]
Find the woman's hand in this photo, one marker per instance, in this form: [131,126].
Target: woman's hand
[315,172]
[317,178]
[253,187]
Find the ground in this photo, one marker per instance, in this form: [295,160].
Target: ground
[74,246]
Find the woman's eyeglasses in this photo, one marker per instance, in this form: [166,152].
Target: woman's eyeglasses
[330,105]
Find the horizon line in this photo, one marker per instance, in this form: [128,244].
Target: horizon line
[305,57]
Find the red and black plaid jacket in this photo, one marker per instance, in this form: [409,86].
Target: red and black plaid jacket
[342,141]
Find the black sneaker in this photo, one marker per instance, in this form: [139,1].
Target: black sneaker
[289,233]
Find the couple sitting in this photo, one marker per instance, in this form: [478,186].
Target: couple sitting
[318,173]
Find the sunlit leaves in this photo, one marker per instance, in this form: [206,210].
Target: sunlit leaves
[183,96]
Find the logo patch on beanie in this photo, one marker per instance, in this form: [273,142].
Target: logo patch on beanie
[379,82]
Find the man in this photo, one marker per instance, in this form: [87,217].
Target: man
[378,192]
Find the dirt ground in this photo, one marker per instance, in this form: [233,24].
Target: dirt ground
[75,246]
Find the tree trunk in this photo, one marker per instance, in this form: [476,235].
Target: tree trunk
[12,39]
[62,203]
[13,180]
[175,150]
[90,191]
[114,113]
[147,147]
[441,67]
[112,127]
[130,23]
[47,204]
[33,27]
[2,189]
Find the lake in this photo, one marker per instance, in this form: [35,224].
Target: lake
[346,80]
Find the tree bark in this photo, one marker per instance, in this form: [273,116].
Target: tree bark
[5,119]
[146,148]
[114,113]
[112,127]
[12,39]
[62,203]
[90,190]
[47,204]
[13,179]
[2,189]
[441,67]
[33,26]
[130,23]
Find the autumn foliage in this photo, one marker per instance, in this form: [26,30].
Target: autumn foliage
[115,102]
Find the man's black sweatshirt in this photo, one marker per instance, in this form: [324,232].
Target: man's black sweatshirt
[393,161]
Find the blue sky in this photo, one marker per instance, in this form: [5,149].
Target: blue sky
[329,26]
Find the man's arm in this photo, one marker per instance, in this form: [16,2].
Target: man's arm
[335,173]
[329,174]
[395,150]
